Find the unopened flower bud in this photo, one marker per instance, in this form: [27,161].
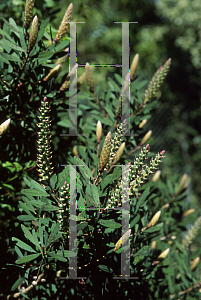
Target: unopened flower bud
[188,212]
[75,152]
[53,73]
[146,137]
[141,125]
[156,176]
[119,153]
[98,132]
[4,126]
[122,240]
[133,69]
[182,184]
[155,219]
[194,263]
[153,245]
[164,254]
[28,13]
[165,206]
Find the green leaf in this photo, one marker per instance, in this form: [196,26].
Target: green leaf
[43,26]
[56,256]
[10,57]
[38,186]
[44,206]
[109,223]
[105,268]
[67,253]
[154,228]
[10,26]
[53,181]
[13,46]
[28,203]
[142,199]
[61,46]
[117,173]
[34,192]
[17,283]
[63,176]
[25,207]
[82,225]
[44,56]
[82,216]
[134,221]
[92,196]
[106,181]
[30,237]
[23,245]
[84,170]
[53,235]
[27,181]
[27,258]
[25,218]
[18,251]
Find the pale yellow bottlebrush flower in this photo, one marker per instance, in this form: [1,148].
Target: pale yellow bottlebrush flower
[63,28]
[33,33]
[89,77]
[105,153]
[28,12]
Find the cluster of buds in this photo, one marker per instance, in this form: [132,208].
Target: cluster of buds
[64,206]
[44,154]
[156,81]
[63,28]
[28,13]
[105,153]
[146,170]
[117,147]
[33,33]
[192,233]
[89,77]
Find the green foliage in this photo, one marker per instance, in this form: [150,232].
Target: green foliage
[77,211]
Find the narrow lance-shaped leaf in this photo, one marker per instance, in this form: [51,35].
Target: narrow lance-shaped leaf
[30,237]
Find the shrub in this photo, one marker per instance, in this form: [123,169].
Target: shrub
[94,223]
